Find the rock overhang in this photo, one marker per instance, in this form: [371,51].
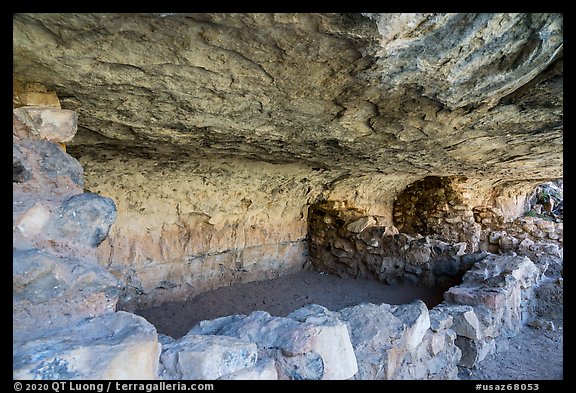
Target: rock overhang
[420,94]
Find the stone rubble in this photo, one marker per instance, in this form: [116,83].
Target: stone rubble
[380,252]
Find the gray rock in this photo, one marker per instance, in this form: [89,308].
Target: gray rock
[85,218]
[206,357]
[307,366]
[54,162]
[332,341]
[376,335]
[415,318]
[464,321]
[20,168]
[311,329]
[440,320]
[38,276]
[549,300]
[473,351]
[50,290]
[503,271]
[113,346]
[287,334]
[470,259]
[423,75]
[264,369]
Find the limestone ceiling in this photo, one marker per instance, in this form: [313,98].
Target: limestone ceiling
[424,94]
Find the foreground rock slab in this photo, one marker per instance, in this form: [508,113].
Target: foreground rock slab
[113,346]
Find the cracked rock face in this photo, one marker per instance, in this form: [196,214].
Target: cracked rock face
[215,133]
[417,93]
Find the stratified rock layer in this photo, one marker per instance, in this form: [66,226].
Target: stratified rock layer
[423,94]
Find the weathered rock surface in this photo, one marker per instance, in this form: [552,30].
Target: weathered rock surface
[112,346]
[332,342]
[215,133]
[55,291]
[205,357]
[186,227]
[64,302]
[311,343]
[85,218]
[340,91]
[51,124]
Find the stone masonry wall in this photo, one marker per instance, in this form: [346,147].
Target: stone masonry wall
[367,341]
[346,241]
[436,206]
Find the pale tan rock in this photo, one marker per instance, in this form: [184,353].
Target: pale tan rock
[54,125]
[33,221]
[331,342]
[361,224]
[391,231]
[33,94]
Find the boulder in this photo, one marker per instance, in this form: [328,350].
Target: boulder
[206,357]
[113,346]
[51,291]
[332,341]
[473,351]
[417,321]
[52,161]
[85,218]
[376,336]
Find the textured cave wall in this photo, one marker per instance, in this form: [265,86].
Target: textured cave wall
[184,227]
[215,133]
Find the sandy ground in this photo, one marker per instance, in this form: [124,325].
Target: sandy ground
[280,297]
[534,354]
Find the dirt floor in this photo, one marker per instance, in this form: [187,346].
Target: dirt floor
[280,297]
[534,354]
